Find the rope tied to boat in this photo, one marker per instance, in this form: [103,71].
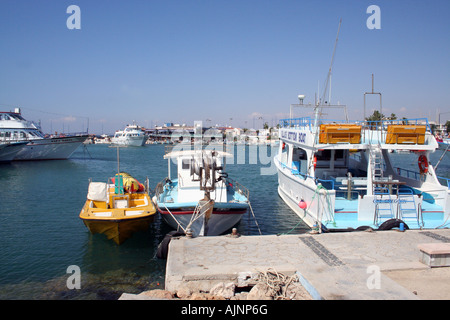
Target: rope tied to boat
[328,200]
[254,217]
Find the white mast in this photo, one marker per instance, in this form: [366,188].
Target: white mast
[331,66]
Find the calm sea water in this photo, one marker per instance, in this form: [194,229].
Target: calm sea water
[42,234]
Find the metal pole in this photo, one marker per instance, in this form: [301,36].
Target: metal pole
[381,107]
[118,160]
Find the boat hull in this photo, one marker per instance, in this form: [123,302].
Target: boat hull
[50,149]
[131,141]
[118,230]
[9,151]
[117,220]
[331,212]
[285,187]
[221,220]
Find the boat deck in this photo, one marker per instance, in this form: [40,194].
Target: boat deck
[169,198]
[346,216]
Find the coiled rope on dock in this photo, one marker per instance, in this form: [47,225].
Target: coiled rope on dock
[276,282]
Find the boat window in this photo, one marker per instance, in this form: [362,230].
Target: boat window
[326,155]
[323,155]
[299,154]
[16,117]
[22,134]
[284,149]
[185,164]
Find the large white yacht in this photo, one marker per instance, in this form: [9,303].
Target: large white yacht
[132,135]
[14,128]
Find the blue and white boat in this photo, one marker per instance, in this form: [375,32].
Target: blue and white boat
[202,200]
[339,175]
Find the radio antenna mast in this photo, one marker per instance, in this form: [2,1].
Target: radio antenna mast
[328,81]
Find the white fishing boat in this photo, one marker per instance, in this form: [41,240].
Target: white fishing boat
[133,135]
[14,128]
[340,175]
[202,200]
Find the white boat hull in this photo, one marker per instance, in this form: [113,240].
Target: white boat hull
[131,141]
[292,192]
[216,225]
[50,149]
[9,151]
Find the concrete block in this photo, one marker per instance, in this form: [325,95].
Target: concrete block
[435,254]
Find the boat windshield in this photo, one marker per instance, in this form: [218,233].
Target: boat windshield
[11,116]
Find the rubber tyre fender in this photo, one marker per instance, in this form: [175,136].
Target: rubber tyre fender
[163,247]
[392,223]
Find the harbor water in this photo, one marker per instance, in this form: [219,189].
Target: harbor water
[42,234]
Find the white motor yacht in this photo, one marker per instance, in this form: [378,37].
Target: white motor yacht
[14,128]
[132,135]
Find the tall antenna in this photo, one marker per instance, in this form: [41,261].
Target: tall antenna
[328,81]
[365,93]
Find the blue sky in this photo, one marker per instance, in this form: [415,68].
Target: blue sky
[157,61]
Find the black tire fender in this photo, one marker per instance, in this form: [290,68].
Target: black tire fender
[392,223]
[163,247]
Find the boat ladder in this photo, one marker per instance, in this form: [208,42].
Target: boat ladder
[384,209]
[377,168]
[407,208]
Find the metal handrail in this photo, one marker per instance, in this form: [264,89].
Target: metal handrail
[236,186]
[447,179]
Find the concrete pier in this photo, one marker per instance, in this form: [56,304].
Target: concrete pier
[355,265]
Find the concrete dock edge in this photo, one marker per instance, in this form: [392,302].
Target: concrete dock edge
[350,265]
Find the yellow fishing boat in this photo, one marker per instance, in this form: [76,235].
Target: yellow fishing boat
[118,208]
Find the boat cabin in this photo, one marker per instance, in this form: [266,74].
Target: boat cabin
[198,172]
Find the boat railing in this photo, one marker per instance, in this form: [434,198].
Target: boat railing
[236,186]
[349,195]
[408,173]
[296,123]
[447,180]
[326,183]
[159,189]
[371,131]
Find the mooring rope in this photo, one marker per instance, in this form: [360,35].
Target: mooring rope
[256,221]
